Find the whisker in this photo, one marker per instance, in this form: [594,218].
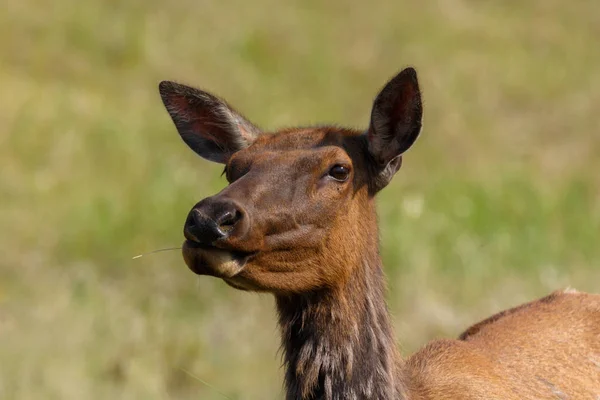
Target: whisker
[155,251]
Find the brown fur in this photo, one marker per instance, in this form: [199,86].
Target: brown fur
[311,239]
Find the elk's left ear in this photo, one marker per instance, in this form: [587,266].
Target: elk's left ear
[395,124]
[207,124]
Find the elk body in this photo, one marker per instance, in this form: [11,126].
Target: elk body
[298,220]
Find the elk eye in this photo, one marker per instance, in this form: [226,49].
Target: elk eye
[339,172]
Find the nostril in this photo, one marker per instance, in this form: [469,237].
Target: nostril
[209,222]
[228,220]
[189,222]
[196,218]
[191,226]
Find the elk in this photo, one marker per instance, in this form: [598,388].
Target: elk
[298,220]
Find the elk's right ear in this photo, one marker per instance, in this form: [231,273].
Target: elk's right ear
[206,123]
[395,125]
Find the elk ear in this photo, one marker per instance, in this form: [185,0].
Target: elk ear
[395,124]
[206,123]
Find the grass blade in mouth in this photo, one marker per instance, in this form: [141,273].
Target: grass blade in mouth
[155,251]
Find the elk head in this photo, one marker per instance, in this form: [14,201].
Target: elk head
[298,210]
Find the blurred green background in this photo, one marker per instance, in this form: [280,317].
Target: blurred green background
[497,203]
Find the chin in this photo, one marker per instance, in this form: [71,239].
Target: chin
[237,282]
[209,260]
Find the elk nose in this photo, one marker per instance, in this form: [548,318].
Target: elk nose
[208,222]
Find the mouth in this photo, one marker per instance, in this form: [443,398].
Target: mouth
[213,261]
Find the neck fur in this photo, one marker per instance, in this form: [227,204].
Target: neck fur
[338,343]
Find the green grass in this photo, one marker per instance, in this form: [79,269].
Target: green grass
[497,203]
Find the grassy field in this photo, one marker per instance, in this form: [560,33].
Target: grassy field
[498,202]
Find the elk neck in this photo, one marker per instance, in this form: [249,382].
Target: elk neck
[338,342]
